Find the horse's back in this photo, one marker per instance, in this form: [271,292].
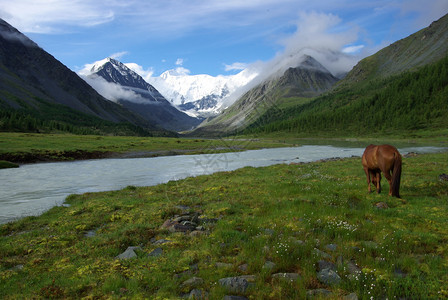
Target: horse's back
[369,156]
[388,152]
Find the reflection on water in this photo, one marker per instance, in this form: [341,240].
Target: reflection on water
[35,188]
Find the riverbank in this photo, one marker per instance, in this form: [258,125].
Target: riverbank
[23,148]
[285,231]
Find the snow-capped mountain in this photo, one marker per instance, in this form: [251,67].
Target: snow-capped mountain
[199,95]
[116,82]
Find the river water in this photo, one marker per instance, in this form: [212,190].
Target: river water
[34,188]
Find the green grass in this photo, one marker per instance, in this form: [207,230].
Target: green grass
[261,213]
[62,146]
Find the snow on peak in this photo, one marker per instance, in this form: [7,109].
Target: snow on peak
[181,88]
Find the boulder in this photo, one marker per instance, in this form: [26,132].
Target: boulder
[238,284]
[328,277]
[129,253]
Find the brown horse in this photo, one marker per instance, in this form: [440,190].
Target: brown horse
[386,159]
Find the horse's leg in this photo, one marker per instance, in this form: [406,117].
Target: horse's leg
[378,182]
[366,170]
[389,179]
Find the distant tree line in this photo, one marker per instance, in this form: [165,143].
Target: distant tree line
[55,118]
[409,101]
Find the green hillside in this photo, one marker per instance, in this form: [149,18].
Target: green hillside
[46,117]
[410,101]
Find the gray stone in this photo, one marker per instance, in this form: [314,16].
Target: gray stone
[328,277]
[322,254]
[90,233]
[291,277]
[196,295]
[352,268]
[182,218]
[318,294]
[237,284]
[129,253]
[381,205]
[156,252]
[269,265]
[197,233]
[193,282]
[323,264]
[331,247]
[161,242]
[227,297]
[352,296]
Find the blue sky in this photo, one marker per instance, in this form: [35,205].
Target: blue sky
[213,36]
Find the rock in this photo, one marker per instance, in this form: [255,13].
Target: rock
[381,205]
[269,265]
[161,242]
[318,294]
[353,269]
[90,233]
[328,277]
[182,218]
[223,265]
[197,295]
[443,177]
[168,224]
[183,227]
[207,220]
[192,282]
[290,277]
[237,284]
[129,253]
[322,254]
[331,247]
[243,267]
[352,296]
[196,233]
[323,264]
[156,252]
[234,298]
[16,268]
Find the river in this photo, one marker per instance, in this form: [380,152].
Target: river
[34,188]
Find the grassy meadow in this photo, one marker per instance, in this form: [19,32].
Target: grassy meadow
[254,221]
[32,147]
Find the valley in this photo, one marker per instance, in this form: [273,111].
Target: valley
[291,230]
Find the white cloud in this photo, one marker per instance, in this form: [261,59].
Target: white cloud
[352,49]
[179,62]
[146,74]
[40,16]
[235,66]
[112,91]
[118,55]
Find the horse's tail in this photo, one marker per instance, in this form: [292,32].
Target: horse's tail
[396,176]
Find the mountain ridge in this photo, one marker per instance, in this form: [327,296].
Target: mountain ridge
[308,79]
[137,95]
[30,77]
